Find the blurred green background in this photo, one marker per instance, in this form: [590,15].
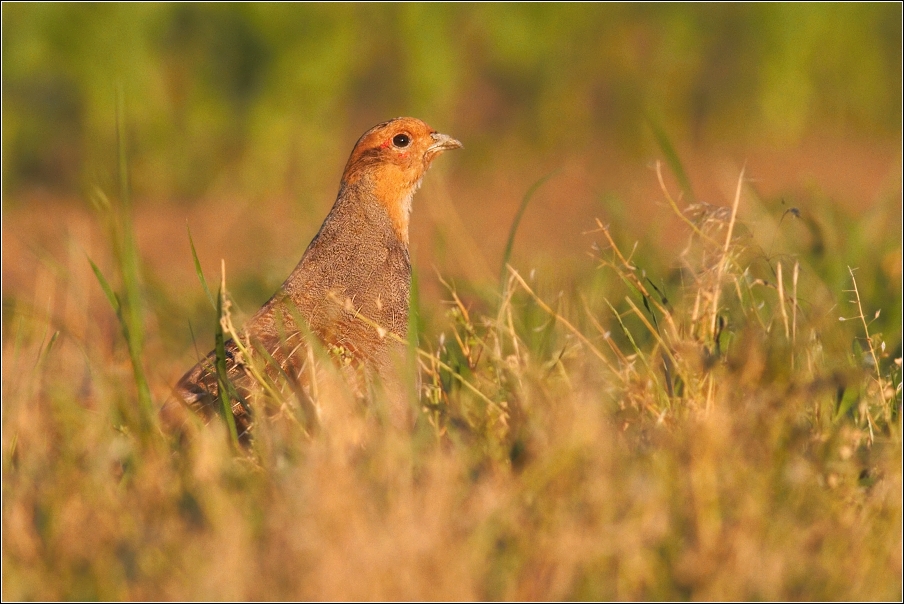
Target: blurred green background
[251,98]
[240,117]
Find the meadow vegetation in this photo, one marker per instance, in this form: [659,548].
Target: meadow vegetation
[702,426]
[623,392]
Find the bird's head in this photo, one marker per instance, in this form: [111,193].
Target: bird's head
[390,159]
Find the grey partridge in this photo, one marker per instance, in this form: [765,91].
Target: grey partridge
[351,287]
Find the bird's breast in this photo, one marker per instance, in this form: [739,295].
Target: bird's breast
[353,284]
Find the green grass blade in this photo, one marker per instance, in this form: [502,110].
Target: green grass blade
[125,244]
[640,354]
[194,255]
[146,412]
[45,348]
[105,285]
[128,303]
[671,158]
[510,242]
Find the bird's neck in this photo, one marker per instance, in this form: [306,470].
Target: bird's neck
[394,196]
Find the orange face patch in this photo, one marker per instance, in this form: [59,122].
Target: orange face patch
[394,176]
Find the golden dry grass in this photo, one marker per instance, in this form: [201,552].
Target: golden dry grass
[707,430]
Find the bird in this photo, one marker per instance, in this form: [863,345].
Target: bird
[350,290]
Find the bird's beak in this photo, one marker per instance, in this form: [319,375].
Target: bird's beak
[442,142]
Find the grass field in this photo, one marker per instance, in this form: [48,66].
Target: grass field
[657,346]
[660,417]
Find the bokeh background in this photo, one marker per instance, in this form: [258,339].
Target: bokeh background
[764,463]
[239,118]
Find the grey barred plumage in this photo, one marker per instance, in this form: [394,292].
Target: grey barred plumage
[350,288]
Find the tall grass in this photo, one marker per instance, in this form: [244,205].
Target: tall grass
[128,303]
[710,431]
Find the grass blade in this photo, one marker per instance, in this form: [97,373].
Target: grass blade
[128,303]
[671,157]
[105,285]
[200,273]
[640,353]
[146,409]
[510,242]
[225,390]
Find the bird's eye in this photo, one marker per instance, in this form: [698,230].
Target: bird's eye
[401,140]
